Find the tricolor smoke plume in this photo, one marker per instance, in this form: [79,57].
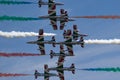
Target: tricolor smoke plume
[3,54]
[8,2]
[13,34]
[14,18]
[12,75]
[98,17]
[117,69]
[102,41]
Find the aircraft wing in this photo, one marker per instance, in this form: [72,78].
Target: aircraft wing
[62,24]
[40,39]
[41,46]
[60,66]
[47,17]
[46,72]
[53,22]
[60,63]
[52,14]
[42,49]
[61,74]
[69,42]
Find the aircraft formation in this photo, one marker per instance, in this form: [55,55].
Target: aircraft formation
[71,38]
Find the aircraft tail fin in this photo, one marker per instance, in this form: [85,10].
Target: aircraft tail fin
[40,3]
[82,42]
[64,34]
[53,39]
[72,68]
[62,11]
[51,54]
[36,74]
[40,36]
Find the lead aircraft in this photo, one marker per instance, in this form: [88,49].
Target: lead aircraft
[40,3]
[46,73]
[54,18]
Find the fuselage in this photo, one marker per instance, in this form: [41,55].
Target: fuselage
[53,42]
[42,74]
[64,68]
[58,54]
[58,17]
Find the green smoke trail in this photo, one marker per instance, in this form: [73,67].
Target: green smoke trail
[14,18]
[8,2]
[117,69]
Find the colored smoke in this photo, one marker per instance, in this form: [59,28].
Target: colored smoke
[117,69]
[103,41]
[8,2]
[97,17]
[14,18]
[13,34]
[12,75]
[2,54]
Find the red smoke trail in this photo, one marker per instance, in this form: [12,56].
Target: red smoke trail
[12,75]
[17,54]
[102,17]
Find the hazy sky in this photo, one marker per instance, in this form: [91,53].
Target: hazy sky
[89,57]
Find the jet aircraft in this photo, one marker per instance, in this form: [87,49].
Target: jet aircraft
[75,33]
[61,53]
[40,42]
[60,69]
[67,42]
[46,73]
[54,18]
[71,68]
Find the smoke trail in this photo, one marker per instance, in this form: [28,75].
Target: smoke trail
[2,54]
[102,17]
[103,41]
[12,75]
[117,69]
[49,34]
[14,2]
[13,34]
[14,18]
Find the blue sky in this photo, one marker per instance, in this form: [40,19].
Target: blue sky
[90,56]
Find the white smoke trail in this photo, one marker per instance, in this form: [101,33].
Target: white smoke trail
[13,34]
[102,41]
